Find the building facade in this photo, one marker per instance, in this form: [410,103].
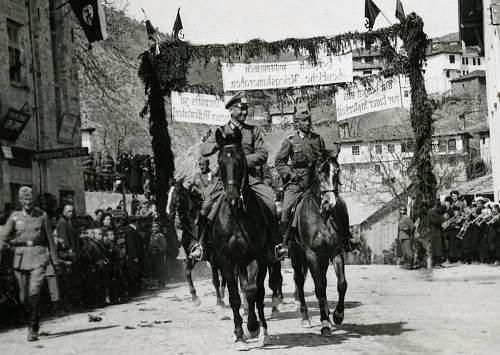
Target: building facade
[39,100]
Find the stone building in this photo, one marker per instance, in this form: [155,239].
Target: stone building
[39,100]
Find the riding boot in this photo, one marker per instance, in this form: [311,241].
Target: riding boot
[198,251]
[281,250]
[34,318]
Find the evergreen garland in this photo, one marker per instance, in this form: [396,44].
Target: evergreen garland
[168,71]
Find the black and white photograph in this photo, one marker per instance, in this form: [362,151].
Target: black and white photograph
[272,177]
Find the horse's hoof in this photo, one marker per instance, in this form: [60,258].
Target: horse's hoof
[221,304]
[196,301]
[266,341]
[338,317]
[241,345]
[253,335]
[326,329]
[305,323]
[275,311]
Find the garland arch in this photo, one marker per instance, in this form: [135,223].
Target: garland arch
[168,71]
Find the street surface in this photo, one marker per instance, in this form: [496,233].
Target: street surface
[388,311]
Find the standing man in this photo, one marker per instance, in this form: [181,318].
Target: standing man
[406,229]
[135,254]
[202,178]
[34,248]
[292,162]
[158,255]
[256,156]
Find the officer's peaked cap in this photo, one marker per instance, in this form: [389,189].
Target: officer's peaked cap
[236,99]
[302,114]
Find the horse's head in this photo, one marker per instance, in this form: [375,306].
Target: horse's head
[232,166]
[328,172]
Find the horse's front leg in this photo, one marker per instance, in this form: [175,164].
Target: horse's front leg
[251,289]
[299,275]
[188,267]
[216,282]
[318,265]
[274,284]
[235,303]
[338,263]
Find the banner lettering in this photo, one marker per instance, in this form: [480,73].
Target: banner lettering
[198,108]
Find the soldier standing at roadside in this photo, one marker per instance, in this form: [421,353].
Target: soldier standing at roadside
[33,247]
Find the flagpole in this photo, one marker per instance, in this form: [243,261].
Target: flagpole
[385,17]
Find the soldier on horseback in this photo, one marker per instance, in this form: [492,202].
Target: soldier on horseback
[256,157]
[293,162]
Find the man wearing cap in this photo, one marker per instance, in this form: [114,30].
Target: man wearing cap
[406,229]
[34,248]
[256,156]
[158,255]
[298,149]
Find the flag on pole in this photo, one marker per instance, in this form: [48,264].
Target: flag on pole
[371,13]
[90,15]
[153,36]
[400,12]
[178,32]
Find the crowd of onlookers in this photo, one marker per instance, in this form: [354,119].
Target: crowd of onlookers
[134,171]
[105,258]
[460,231]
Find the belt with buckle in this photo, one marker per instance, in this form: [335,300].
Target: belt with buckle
[29,243]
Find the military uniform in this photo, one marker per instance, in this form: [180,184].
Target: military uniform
[297,149]
[33,250]
[406,229]
[158,255]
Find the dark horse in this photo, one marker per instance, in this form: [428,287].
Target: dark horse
[321,224]
[186,203]
[241,241]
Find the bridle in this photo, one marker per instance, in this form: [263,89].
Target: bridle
[231,182]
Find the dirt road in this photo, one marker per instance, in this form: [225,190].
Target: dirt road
[389,311]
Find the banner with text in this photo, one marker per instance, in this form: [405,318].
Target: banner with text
[258,76]
[358,99]
[198,108]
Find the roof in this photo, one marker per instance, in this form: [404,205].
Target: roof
[359,65]
[470,76]
[362,205]
[443,48]
[480,186]
[483,128]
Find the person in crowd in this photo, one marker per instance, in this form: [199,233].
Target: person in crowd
[99,215]
[458,200]
[158,255]
[33,248]
[435,218]
[203,177]
[107,221]
[256,155]
[134,205]
[116,277]
[135,254]
[406,229]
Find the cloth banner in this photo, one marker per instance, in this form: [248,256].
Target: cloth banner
[358,99]
[277,75]
[199,108]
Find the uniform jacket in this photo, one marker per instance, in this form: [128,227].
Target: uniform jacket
[406,228]
[158,243]
[33,227]
[201,181]
[68,234]
[252,142]
[133,242]
[296,153]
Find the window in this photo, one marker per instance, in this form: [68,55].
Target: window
[483,140]
[473,61]
[452,59]
[452,160]
[447,73]
[478,61]
[377,168]
[378,149]
[452,145]
[395,166]
[466,61]
[367,72]
[390,147]
[22,158]
[355,150]
[352,169]
[406,93]
[407,146]
[15,59]
[463,61]
[441,145]
[369,60]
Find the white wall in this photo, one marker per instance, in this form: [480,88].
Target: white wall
[437,65]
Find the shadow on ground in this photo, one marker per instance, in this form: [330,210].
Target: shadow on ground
[78,331]
[313,309]
[340,335]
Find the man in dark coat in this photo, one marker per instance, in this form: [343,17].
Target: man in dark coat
[135,254]
[33,248]
[158,255]
[435,218]
[406,229]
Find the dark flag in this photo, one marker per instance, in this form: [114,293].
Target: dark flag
[400,12]
[371,13]
[177,32]
[153,36]
[90,14]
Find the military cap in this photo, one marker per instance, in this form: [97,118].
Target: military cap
[301,114]
[203,159]
[236,99]
[25,192]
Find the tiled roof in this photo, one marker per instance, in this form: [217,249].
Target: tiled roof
[471,75]
[480,186]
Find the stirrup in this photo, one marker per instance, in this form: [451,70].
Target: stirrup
[197,258]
